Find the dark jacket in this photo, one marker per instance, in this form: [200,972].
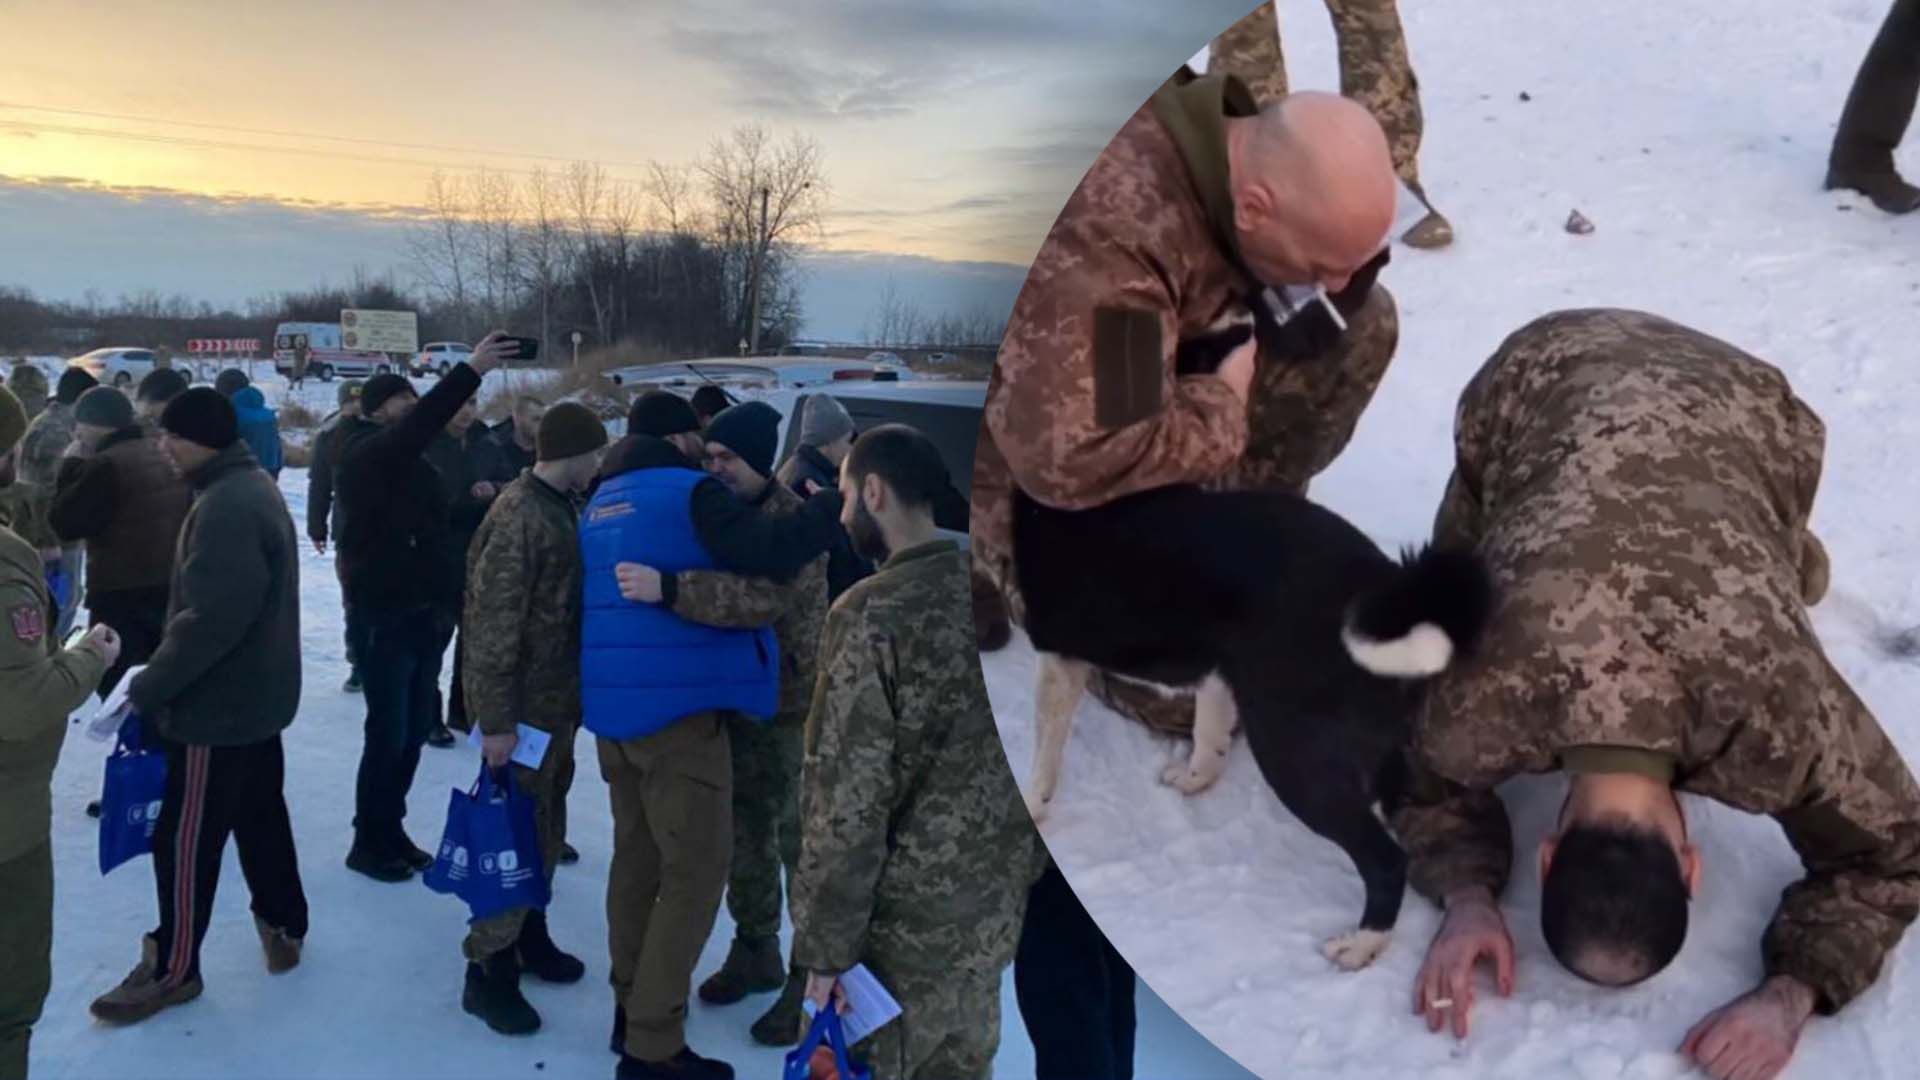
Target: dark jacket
[126,503]
[844,566]
[462,463]
[517,460]
[322,508]
[227,672]
[394,511]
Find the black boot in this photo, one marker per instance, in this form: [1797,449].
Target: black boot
[493,994]
[541,958]
[685,1065]
[1883,187]
[568,856]
[377,862]
[753,966]
[618,1044]
[440,737]
[405,848]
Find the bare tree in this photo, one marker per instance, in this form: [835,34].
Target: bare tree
[440,245]
[543,250]
[749,177]
[495,211]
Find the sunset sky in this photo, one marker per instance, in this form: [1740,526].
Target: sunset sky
[230,149]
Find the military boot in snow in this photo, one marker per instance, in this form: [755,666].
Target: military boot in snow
[754,966]
[143,992]
[780,1026]
[493,994]
[1883,187]
[541,958]
[282,948]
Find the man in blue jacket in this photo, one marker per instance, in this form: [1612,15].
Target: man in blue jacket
[657,690]
[259,425]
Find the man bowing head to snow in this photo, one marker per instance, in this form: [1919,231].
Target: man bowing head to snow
[1641,492]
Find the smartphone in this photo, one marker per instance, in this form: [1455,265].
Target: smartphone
[525,349]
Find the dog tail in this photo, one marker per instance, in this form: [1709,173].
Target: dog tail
[1431,612]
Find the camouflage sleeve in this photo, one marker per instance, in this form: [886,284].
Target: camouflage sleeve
[41,687]
[1859,839]
[1088,406]
[1454,837]
[499,595]
[1457,525]
[848,796]
[730,601]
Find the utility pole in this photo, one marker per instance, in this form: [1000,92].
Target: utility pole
[759,263]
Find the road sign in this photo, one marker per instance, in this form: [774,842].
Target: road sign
[380,331]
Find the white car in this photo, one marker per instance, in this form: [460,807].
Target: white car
[884,357]
[438,357]
[116,367]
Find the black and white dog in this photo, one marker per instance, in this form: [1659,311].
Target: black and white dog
[1286,618]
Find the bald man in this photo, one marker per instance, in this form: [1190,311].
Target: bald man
[1199,205]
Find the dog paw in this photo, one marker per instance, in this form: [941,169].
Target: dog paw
[1037,807]
[1351,952]
[1183,778]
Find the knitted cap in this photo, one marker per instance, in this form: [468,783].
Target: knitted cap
[349,392]
[13,421]
[379,390]
[826,420]
[709,400]
[73,382]
[161,385]
[750,429]
[568,430]
[204,416]
[104,406]
[231,381]
[660,414]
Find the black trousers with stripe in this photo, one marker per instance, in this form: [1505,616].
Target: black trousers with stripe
[214,792]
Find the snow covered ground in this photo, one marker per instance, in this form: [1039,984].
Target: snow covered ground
[1694,135]
[378,994]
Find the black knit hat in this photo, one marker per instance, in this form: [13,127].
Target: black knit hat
[104,406]
[73,382]
[231,381]
[162,385]
[750,429]
[204,416]
[569,429]
[660,414]
[710,400]
[379,390]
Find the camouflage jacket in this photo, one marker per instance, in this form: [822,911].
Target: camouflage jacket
[1641,492]
[797,610]
[47,439]
[916,851]
[521,634]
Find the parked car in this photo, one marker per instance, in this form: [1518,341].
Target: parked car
[121,367]
[325,356]
[438,357]
[941,359]
[884,357]
[764,373]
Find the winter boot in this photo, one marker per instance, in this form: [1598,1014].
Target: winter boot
[282,948]
[541,958]
[753,966]
[142,993]
[493,994]
[1885,188]
[377,862]
[781,1024]
[685,1065]
[441,737]
[406,849]
[568,856]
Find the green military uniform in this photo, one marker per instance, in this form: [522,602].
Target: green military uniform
[766,756]
[1641,493]
[521,657]
[916,850]
[40,685]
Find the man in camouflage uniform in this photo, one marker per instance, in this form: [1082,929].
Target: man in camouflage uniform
[1641,493]
[29,386]
[740,444]
[1198,204]
[48,438]
[1374,70]
[522,666]
[916,850]
[40,684]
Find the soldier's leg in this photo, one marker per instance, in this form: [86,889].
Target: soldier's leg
[500,932]
[26,940]
[753,880]
[973,1034]
[1250,49]
[789,743]
[689,807]
[1376,71]
[633,875]
[1877,112]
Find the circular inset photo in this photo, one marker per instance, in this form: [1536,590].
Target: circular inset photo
[1443,554]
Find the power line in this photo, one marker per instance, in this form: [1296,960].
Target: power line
[430,147]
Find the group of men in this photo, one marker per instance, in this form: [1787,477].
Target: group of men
[1640,491]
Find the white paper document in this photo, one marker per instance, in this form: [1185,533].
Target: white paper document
[869,1006]
[528,753]
[107,718]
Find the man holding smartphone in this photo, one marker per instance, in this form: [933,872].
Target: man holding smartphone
[41,683]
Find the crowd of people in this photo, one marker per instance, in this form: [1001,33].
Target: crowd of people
[773,658]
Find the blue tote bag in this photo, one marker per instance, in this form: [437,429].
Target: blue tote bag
[130,795]
[825,1031]
[490,855]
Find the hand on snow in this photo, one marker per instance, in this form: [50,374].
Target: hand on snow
[489,354]
[498,749]
[822,988]
[1753,1037]
[103,640]
[639,582]
[1471,930]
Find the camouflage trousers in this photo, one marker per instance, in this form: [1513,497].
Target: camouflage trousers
[1375,69]
[949,1027]
[766,820]
[548,785]
[1300,416]
[26,940]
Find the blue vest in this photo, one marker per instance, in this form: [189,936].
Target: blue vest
[641,666]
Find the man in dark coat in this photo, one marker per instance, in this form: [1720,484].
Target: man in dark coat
[472,473]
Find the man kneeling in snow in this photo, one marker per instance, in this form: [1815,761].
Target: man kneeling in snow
[1641,492]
